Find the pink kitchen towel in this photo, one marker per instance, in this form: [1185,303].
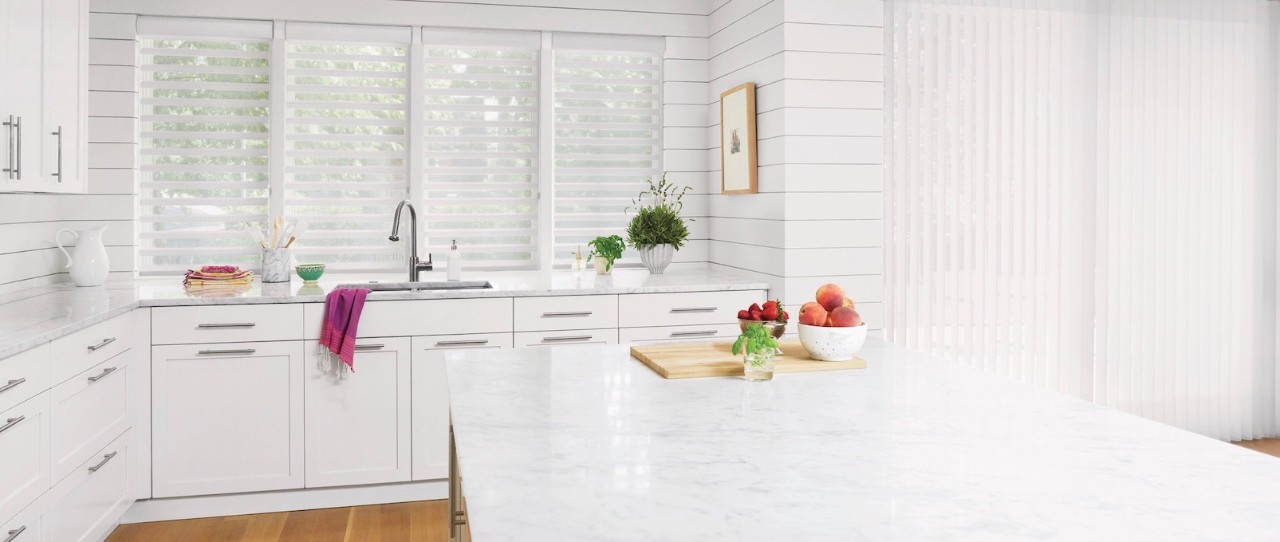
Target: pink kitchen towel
[341,319]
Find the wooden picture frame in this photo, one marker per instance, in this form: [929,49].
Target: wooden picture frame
[738,140]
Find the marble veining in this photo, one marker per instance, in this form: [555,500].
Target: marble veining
[33,317]
[584,443]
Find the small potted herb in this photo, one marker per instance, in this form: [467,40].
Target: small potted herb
[657,230]
[605,251]
[758,348]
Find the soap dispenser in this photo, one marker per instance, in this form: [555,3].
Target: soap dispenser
[454,262]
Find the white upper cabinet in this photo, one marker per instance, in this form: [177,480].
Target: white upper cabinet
[43,58]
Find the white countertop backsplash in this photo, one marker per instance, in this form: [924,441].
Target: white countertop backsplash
[586,444]
[33,317]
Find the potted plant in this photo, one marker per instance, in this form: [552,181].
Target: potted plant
[605,251]
[657,230]
[758,348]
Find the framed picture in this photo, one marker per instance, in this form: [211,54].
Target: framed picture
[738,140]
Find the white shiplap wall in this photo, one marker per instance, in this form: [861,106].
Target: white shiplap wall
[818,66]
[28,222]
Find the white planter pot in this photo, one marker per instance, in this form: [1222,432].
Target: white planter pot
[657,257]
[602,265]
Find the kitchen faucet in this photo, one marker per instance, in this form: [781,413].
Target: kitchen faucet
[415,267]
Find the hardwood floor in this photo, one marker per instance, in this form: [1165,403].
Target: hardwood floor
[422,521]
[1269,446]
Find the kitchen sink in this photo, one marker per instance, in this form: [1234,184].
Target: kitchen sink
[422,286]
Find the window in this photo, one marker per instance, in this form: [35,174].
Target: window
[608,123]
[519,151]
[203,175]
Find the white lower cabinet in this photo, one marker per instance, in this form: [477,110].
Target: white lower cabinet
[358,423]
[227,418]
[431,398]
[87,412]
[27,526]
[568,337]
[24,454]
[87,504]
[671,334]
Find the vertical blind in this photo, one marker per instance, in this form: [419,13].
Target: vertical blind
[203,179]
[1083,196]
[333,125]
[608,125]
[481,117]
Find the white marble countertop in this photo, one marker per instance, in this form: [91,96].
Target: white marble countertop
[33,317]
[584,443]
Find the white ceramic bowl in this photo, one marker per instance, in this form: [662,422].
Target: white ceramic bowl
[832,343]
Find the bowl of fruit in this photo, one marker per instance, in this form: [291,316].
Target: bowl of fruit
[830,327]
[770,315]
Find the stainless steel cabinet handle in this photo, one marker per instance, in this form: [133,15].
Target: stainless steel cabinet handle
[102,375]
[477,342]
[9,423]
[12,384]
[11,171]
[13,535]
[694,333]
[58,173]
[105,459]
[225,326]
[104,342]
[693,309]
[565,314]
[566,339]
[219,352]
[17,158]
[370,346]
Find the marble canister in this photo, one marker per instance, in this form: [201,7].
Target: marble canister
[275,265]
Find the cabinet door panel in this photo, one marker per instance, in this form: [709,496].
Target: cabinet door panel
[431,398]
[24,454]
[88,412]
[357,423]
[65,82]
[22,73]
[91,500]
[227,418]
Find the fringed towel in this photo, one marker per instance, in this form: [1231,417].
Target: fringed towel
[341,318]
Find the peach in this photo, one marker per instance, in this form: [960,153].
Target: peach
[847,303]
[845,317]
[830,296]
[812,314]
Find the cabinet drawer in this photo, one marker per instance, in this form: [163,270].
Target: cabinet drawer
[684,309]
[24,527]
[23,376]
[83,349]
[566,312]
[89,502]
[424,317]
[226,324]
[24,455]
[654,335]
[460,342]
[431,397]
[86,413]
[564,338]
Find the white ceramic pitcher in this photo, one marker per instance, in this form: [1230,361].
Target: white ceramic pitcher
[89,265]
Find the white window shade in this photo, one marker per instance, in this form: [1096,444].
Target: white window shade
[345,150]
[608,126]
[204,119]
[481,151]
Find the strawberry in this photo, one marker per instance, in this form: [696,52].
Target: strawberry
[784,317]
[770,312]
[744,315]
[754,308]
[756,314]
[769,303]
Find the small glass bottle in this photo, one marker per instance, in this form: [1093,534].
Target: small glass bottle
[577,259]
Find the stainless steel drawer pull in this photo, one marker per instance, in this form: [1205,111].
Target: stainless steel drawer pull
[10,170]
[693,309]
[12,384]
[370,346]
[105,459]
[694,333]
[477,342]
[13,535]
[9,423]
[226,352]
[102,375]
[104,342]
[225,326]
[565,314]
[566,339]
[58,173]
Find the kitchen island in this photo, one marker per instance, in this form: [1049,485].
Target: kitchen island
[584,443]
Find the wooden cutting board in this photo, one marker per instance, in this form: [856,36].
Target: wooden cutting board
[696,360]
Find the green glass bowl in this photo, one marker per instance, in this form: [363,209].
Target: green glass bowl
[310,272]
